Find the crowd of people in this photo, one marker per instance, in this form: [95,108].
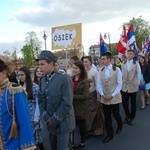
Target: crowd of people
[84,96]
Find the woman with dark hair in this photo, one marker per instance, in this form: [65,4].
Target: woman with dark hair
[12,77]
[81,98]
[37,75]
[145,80]
[32,90]
[95,117]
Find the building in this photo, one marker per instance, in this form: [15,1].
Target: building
[65,55]
[94,50]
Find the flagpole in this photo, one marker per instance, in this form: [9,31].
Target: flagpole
[105,36]
[66,59]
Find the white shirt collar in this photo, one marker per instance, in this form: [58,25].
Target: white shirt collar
[109,66]
[130,61]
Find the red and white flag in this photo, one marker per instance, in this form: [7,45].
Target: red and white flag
[122,45]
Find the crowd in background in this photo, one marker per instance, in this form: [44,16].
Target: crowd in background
[84,95]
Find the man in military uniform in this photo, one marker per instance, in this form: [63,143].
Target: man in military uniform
[55,101]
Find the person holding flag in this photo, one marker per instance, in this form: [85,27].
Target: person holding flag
[131,73]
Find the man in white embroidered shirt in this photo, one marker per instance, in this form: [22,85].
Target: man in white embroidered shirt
[109,83]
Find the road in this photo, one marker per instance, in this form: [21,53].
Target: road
[135,137]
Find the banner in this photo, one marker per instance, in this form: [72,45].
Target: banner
[67,37]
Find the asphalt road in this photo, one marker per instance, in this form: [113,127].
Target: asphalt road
[135,137]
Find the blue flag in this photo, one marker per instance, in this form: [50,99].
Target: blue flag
[136,51]
[148,48]
[103,48]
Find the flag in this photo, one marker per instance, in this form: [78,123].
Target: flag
[103,48]
[145,45]
[122,45]
[131,35]
[148,45]
[136,50]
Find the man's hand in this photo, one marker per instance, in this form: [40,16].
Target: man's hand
[49,124]
[107,98]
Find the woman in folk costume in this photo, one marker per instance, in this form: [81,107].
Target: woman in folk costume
[15,124]
[95,118]
[32,90]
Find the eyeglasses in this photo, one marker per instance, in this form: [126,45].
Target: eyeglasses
[20,75]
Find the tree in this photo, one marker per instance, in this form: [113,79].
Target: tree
[32,40]
[14,57]
[141,28]
[28,55]
[6,53]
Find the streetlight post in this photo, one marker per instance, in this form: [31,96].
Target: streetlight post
[105,36]
[92,52]
[45,37]
[37,51]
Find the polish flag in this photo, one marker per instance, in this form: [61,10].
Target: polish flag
[122,45]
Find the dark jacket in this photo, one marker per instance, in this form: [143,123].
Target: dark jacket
[146,74]
[81,99]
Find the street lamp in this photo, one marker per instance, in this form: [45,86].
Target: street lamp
[37,51]
[92,52]
[105,36]
[45,37]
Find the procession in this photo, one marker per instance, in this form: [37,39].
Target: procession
[82,85]
[84,96]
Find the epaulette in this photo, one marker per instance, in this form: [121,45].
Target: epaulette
[102,69]
[15,88]
[61,72]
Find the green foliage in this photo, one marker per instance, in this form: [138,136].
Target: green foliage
[28,55]
[31,49]
[114,49]
[32,40]
[141,28]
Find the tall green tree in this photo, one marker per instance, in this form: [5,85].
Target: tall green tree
[28,55]
[141,28]
[32,40]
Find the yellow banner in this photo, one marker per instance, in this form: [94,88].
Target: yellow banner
[67,37]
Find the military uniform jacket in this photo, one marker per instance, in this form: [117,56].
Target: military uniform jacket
[55,101]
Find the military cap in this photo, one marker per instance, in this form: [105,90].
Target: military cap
[47,55]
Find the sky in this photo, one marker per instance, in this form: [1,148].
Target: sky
[97,16]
